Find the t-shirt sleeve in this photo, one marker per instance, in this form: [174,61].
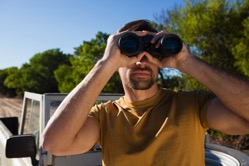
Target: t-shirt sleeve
[99,112]
[95,113]
[203,99]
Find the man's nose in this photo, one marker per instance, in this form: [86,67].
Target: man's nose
[143,62]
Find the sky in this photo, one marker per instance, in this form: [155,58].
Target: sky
[28,27]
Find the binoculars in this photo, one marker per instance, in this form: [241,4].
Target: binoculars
[131,45]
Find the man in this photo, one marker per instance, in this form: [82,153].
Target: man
[149,125]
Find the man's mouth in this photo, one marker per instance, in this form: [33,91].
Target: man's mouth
[141,73]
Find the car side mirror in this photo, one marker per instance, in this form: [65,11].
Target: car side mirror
[19,146]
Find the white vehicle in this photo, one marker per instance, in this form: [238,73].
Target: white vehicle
[23,148]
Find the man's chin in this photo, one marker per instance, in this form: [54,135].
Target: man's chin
[141,85]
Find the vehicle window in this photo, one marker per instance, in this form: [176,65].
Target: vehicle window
[53,106]
[31,125]
[34,117]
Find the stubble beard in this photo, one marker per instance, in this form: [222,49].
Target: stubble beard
[142,83]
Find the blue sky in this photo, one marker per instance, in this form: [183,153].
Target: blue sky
[28,27]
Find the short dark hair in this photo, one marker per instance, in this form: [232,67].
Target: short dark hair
[138,25]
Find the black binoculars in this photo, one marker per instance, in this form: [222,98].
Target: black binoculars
[131,44]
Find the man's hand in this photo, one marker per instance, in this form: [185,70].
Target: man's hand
[114,56]
[174,61]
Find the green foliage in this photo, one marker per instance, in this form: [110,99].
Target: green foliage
[86,56]
[38,76]
[64,78]
[241,50]
[8,91]
[216,134]
[216,31]
[171,79]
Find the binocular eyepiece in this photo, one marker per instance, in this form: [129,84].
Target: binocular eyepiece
[131,44]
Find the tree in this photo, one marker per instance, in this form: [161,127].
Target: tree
[85,57]
[216,31]
[64,78]
[8,91]
[38,75]
[240,50]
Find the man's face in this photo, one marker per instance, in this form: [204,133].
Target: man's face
[139,76]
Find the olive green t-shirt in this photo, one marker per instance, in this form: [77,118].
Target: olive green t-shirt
[166,129]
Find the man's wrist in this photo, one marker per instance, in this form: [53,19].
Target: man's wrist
[187,63]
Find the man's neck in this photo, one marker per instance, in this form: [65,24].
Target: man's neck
[133,95]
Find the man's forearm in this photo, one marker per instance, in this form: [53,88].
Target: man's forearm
[73,111]
[231,90]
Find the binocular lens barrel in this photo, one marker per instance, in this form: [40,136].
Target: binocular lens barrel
[171,44]
[130,44]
